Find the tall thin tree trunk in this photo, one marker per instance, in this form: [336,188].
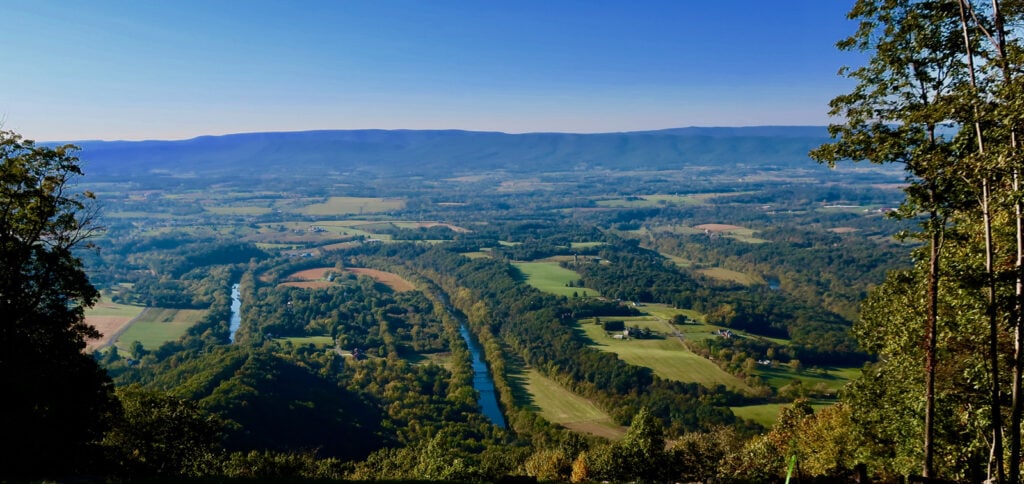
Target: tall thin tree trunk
[929,345]
[1017,404]
[990,277]
[1018,339]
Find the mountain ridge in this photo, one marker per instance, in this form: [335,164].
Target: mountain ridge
[422,152]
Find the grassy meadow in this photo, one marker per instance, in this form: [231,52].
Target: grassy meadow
[560,406]
[666,355]
[767,414]
[352,206]
[552,278]
[158,326]
[109,319]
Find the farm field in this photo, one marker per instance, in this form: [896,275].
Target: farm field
[679,261]
[832,378]
[352,205]
[736,232]
[650,201]
[664,311]
[427,225]
[552,278]
[394,281]
[109,319]
[158,326]
[667,357]
[767,414]
[315,278]
[563,407]
[237,210]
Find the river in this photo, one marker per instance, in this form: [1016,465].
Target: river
[236,312]
[482,381]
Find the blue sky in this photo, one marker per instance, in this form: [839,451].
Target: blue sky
[75,70]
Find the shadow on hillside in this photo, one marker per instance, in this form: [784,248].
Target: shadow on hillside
[517,379]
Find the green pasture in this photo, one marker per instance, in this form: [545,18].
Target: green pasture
[356,228]
[830,378]
[679,261]
[697,332]
[352,205]
[667,312]
[552,278]
[115,310]
[157,326]
[745,235]
[585,245]
[767,414]
[666,356]
[560,406]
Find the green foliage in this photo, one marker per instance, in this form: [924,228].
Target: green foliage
[158,434]
[58,401]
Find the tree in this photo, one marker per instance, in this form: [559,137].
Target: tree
[57,398]
[904,93]
[162,435]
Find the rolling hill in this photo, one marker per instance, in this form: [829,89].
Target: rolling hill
[417,153]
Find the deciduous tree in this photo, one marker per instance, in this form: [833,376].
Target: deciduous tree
[56,397]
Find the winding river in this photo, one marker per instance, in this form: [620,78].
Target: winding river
[482,381]
[236,312]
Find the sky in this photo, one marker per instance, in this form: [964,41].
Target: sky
[176,69]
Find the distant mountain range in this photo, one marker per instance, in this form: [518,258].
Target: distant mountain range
[422,152]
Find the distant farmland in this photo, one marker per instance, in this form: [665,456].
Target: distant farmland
[158,326]
[353,206]
[109,319]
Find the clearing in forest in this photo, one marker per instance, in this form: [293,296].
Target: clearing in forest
[664,354]
[560,406]
[353,206]
[718,227]
[315,278]
[553,278]
[157,326]
[110,319]
[735,232]
[767,414]
[394,281]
